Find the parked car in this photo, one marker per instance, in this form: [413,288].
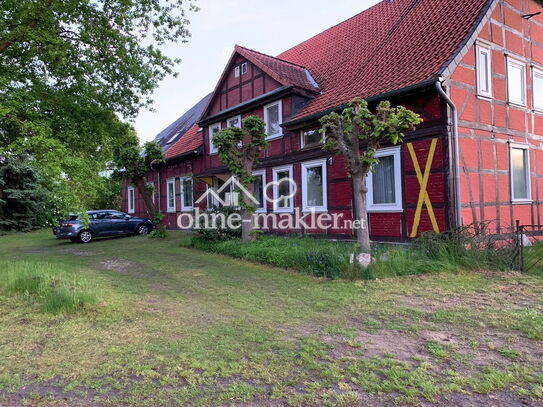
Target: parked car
[102,224]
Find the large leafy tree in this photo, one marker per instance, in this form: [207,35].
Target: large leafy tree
[69,69]
[357,133]
[239,149]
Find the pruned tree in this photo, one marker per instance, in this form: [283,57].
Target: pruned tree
[239,149]
[136,164]
[357,134]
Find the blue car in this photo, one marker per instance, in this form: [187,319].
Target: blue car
[102,224]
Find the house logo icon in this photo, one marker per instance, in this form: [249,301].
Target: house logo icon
[230,198]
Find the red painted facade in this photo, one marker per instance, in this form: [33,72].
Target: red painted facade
[487,126]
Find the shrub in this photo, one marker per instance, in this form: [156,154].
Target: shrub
[221,231]
[54,288]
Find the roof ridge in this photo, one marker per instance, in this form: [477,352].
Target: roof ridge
[271,56]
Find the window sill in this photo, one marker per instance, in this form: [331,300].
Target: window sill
[522,202]
[290,210]
[261,211]
[307,210]
[187,209]
[485,97]
[270,138]
[385,210]
[517,104]
[171,211]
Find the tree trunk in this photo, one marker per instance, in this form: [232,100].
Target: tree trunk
[141,185]
[361,212]
[247,220]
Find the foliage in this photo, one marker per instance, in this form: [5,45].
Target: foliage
[109,194]
[56,290]
[318,257]
[239,149]
[68,71]
[22,199]
[221,231]
[357,128]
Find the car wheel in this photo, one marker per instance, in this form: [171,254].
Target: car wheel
[85,236]
[142,230]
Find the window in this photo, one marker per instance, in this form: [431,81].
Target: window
[273,117]
[284,189]
[173,138]
[234,122]
[244,68]
[484,71]
[170,195]
[384,183]
[314,194]
[236,71]
[131,200]
[311,138]
[538,89]
[516,81]
[259,183]
[520,172]
[186,194]
[213,129]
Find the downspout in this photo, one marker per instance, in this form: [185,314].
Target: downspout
[456,148]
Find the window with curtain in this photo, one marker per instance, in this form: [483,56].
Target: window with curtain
[273,119]
[283,189]
[520,174]
[384,183]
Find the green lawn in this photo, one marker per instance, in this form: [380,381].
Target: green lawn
[175,326]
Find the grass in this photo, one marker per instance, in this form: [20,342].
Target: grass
[167,325]
[56,288]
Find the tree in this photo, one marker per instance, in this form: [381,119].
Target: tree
[136,164]
[68,70]
[239,149]
[357,128]
[21,197]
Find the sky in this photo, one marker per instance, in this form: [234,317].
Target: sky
[266,26]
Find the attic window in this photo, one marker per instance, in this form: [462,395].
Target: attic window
[240,70]
[244,68]
[236,71]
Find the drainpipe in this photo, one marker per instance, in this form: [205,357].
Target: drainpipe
[456,148]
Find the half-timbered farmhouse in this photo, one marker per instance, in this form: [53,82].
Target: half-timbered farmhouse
[473,69]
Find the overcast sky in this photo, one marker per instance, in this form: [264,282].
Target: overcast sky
[266,26]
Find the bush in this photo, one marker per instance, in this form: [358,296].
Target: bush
[318,257]
[55,289]
[221,232]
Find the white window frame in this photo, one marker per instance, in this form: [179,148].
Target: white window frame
[275,171]
[262,173]
[182,189]
[512,62]
[237,71]
[482,49]
[212,148]
[302,139]
[397,206]
[131,198]
[539,73]
[280,112]
[528,174]
[305,167]
[243,68]
[169,208]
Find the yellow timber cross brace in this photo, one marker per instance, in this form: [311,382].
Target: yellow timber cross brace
[424,199]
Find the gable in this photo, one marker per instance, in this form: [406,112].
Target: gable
[232,90]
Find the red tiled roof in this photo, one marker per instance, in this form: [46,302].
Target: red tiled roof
[189,141]
[392,45]
[284,72]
